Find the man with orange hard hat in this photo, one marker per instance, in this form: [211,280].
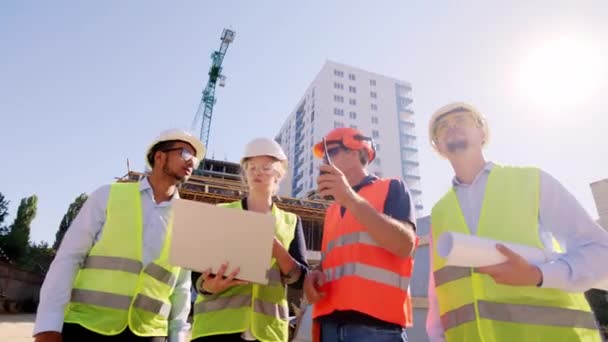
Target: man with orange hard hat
[361,292]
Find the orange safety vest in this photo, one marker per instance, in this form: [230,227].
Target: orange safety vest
[361,275]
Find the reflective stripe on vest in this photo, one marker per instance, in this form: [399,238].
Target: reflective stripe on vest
[113,263]
[241,301]
[349,239]
[450,273]
[368,272]
[274,277]
[519,313]
[115,301]
[232,302]
[160,274]
[131,266]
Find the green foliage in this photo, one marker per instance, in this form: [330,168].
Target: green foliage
[66,222]
[15,241]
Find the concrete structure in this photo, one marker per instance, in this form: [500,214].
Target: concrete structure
[600,195]
[344,96]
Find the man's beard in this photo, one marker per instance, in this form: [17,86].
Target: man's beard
[457,145]
[173,175]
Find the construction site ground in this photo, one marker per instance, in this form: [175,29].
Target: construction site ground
[16,327]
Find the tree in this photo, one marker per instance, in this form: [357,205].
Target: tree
[38,258]
[66,222]
[3,213]
[16,241]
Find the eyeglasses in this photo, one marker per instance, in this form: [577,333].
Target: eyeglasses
[459,119]
[185,154]
[266,168]
[332,152]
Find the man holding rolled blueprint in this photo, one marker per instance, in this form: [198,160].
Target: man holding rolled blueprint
[544,249]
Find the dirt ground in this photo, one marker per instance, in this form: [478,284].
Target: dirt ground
[16,327]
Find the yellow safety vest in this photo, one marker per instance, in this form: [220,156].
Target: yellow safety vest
[472,306]
[113,289]
[261,308]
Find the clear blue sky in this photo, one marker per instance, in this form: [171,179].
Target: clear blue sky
[84,85]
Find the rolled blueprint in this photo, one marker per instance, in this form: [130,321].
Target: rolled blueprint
[472,251]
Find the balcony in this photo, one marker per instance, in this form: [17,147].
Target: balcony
[411,162]
[296,191]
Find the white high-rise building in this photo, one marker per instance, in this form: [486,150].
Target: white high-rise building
[344,96]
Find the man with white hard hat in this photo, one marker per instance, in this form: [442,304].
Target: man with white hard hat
[111,279]
[514,300]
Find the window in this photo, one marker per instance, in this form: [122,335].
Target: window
[377,161]
[375,134]
[312,116]
[351,77]
[352,102]
[373,94]
[378,174]
[338,85]
[339,98]
[352,115]
[353,126]
[339,111]
[338,124]
[372,83]
[338,73]
[352,89]
[374,106]
[377,146]
[374,119]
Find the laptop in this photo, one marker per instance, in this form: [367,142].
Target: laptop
[206,236]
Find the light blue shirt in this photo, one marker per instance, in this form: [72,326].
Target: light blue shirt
[85,231]
[585,243]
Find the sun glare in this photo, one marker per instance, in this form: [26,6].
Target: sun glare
[562,73]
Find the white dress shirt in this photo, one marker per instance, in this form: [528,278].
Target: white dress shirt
[560,216]
[85,231]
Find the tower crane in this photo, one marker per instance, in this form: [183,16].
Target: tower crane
[205,107]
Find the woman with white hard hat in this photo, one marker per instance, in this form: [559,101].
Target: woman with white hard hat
[232,310]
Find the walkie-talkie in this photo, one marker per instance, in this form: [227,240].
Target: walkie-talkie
[327,160]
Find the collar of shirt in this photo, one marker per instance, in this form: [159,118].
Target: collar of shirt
[145,187]
[369,179]
[486,169]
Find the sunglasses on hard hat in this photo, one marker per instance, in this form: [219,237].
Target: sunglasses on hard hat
[185,154]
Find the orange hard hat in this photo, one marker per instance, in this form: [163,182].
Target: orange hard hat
[350,138]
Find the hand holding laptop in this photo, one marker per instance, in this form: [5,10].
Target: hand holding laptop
[216,283]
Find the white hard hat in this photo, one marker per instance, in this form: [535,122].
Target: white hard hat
[264,147]
[457,107]
[180,135]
